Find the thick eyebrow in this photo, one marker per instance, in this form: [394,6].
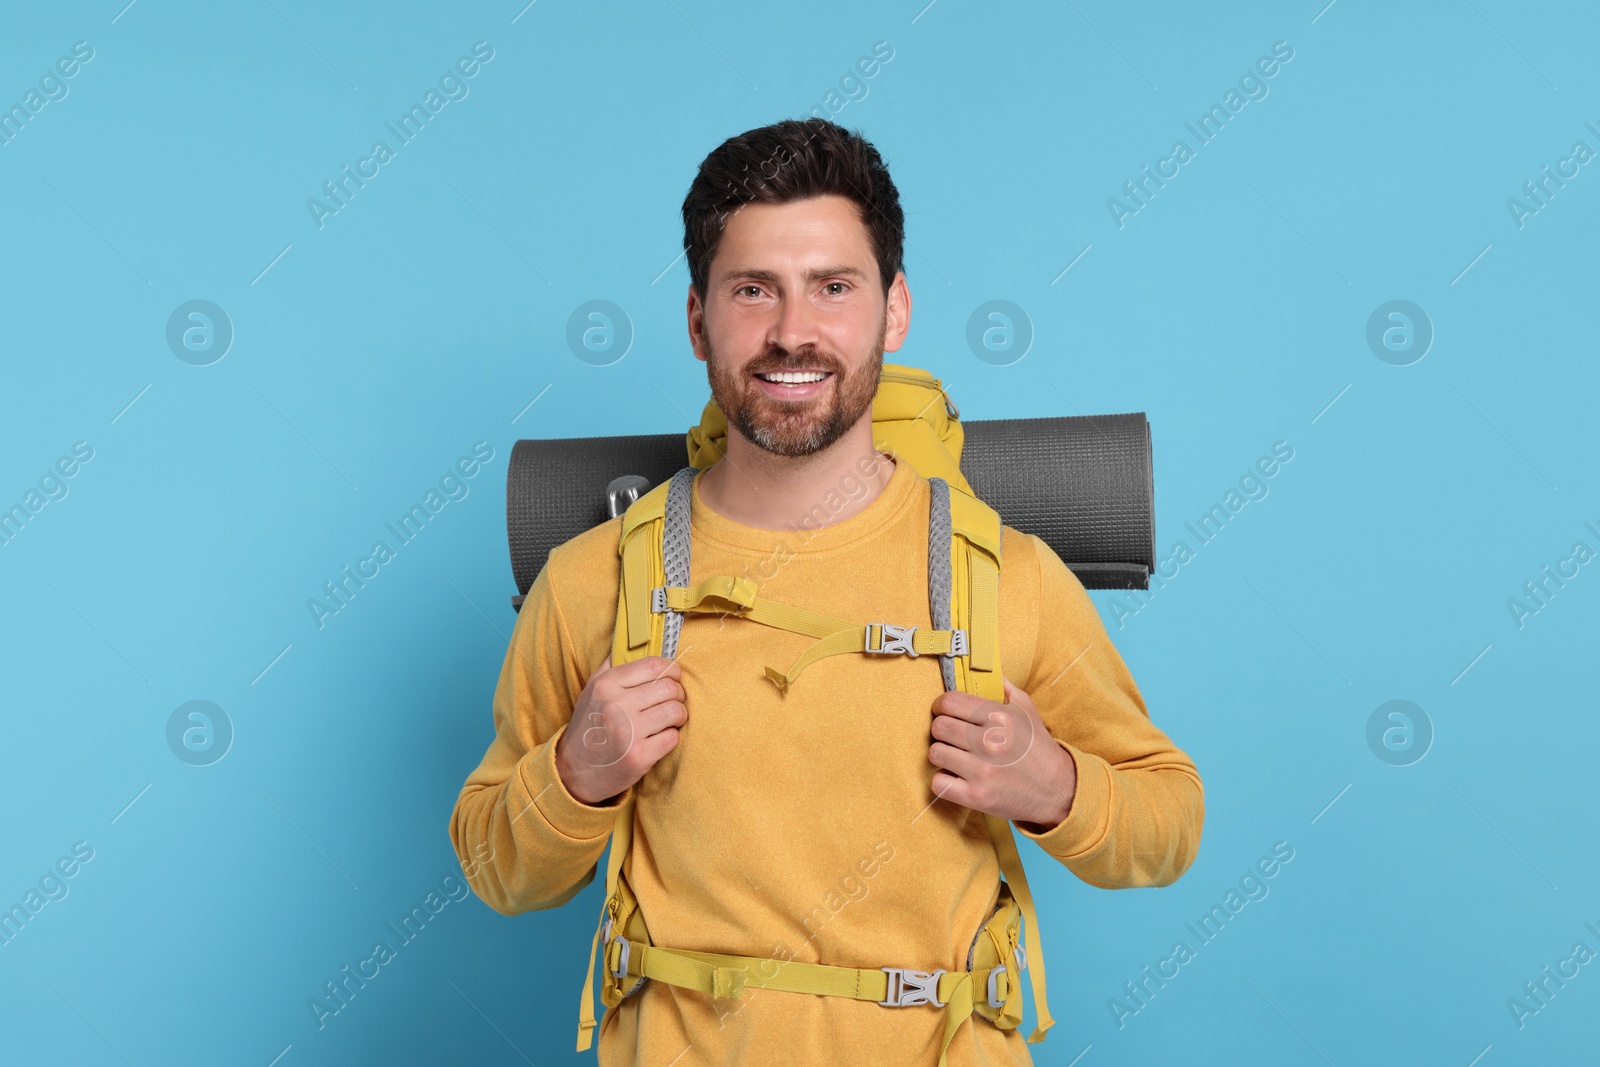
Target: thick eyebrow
[759,275]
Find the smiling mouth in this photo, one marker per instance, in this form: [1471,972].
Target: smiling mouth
[794,378]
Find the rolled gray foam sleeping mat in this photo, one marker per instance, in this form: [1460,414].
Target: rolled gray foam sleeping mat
[1080,483]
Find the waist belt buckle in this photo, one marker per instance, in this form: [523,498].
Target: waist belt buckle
[892,638]
[908,987]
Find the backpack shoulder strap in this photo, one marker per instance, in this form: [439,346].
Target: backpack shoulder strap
[973,530]
[964,537]
[654,546]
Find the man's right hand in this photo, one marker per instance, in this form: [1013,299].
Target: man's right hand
[626,719]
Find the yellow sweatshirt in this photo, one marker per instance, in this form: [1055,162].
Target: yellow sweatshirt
[803,826]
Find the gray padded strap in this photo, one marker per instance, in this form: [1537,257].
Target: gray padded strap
[675,550]
[939,568]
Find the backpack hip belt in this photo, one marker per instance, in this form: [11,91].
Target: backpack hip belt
[990,987]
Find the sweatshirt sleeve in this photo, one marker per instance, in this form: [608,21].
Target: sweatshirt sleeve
[1136,817]
[523,841]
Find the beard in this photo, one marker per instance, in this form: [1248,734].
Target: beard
[795,427]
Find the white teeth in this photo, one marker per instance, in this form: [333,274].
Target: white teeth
[794,377]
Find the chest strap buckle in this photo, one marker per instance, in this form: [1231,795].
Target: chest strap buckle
[892,638]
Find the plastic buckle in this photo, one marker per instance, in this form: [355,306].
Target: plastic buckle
[892,639]
[958,642]
[658,599]
[621,967]
[908,987]
[994,993]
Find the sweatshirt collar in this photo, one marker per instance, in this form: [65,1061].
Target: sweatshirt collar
[815,533]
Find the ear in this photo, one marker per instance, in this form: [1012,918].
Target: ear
[897,314]
[696,315]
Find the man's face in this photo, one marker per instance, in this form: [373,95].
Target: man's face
[794,289]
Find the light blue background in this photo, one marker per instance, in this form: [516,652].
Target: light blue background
[431,310]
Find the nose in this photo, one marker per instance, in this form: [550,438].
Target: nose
[794,326]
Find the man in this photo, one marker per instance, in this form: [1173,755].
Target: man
[831,823]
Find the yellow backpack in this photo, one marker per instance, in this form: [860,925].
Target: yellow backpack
[913,420]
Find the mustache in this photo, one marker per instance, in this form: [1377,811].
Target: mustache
[802,360]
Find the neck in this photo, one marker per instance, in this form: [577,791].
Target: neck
[755,488]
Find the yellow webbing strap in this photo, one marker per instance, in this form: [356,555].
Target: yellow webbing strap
[638,633]
[718,975]
[636,584]
[983,607]
[859,638]
[621,838]
[725,593]
[737,592]
[1005,847]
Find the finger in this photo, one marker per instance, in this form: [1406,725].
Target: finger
[953,702]
[632,704]
[957,761]
[652,748]
[1004,737]
[646,695]
[644,671]
[667,715]
[958,732]
[949,787]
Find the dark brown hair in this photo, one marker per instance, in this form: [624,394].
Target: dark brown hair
[787,161]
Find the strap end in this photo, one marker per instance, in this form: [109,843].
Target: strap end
[727,982]
[777,678]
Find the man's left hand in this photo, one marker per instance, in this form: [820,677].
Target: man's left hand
[999,759]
